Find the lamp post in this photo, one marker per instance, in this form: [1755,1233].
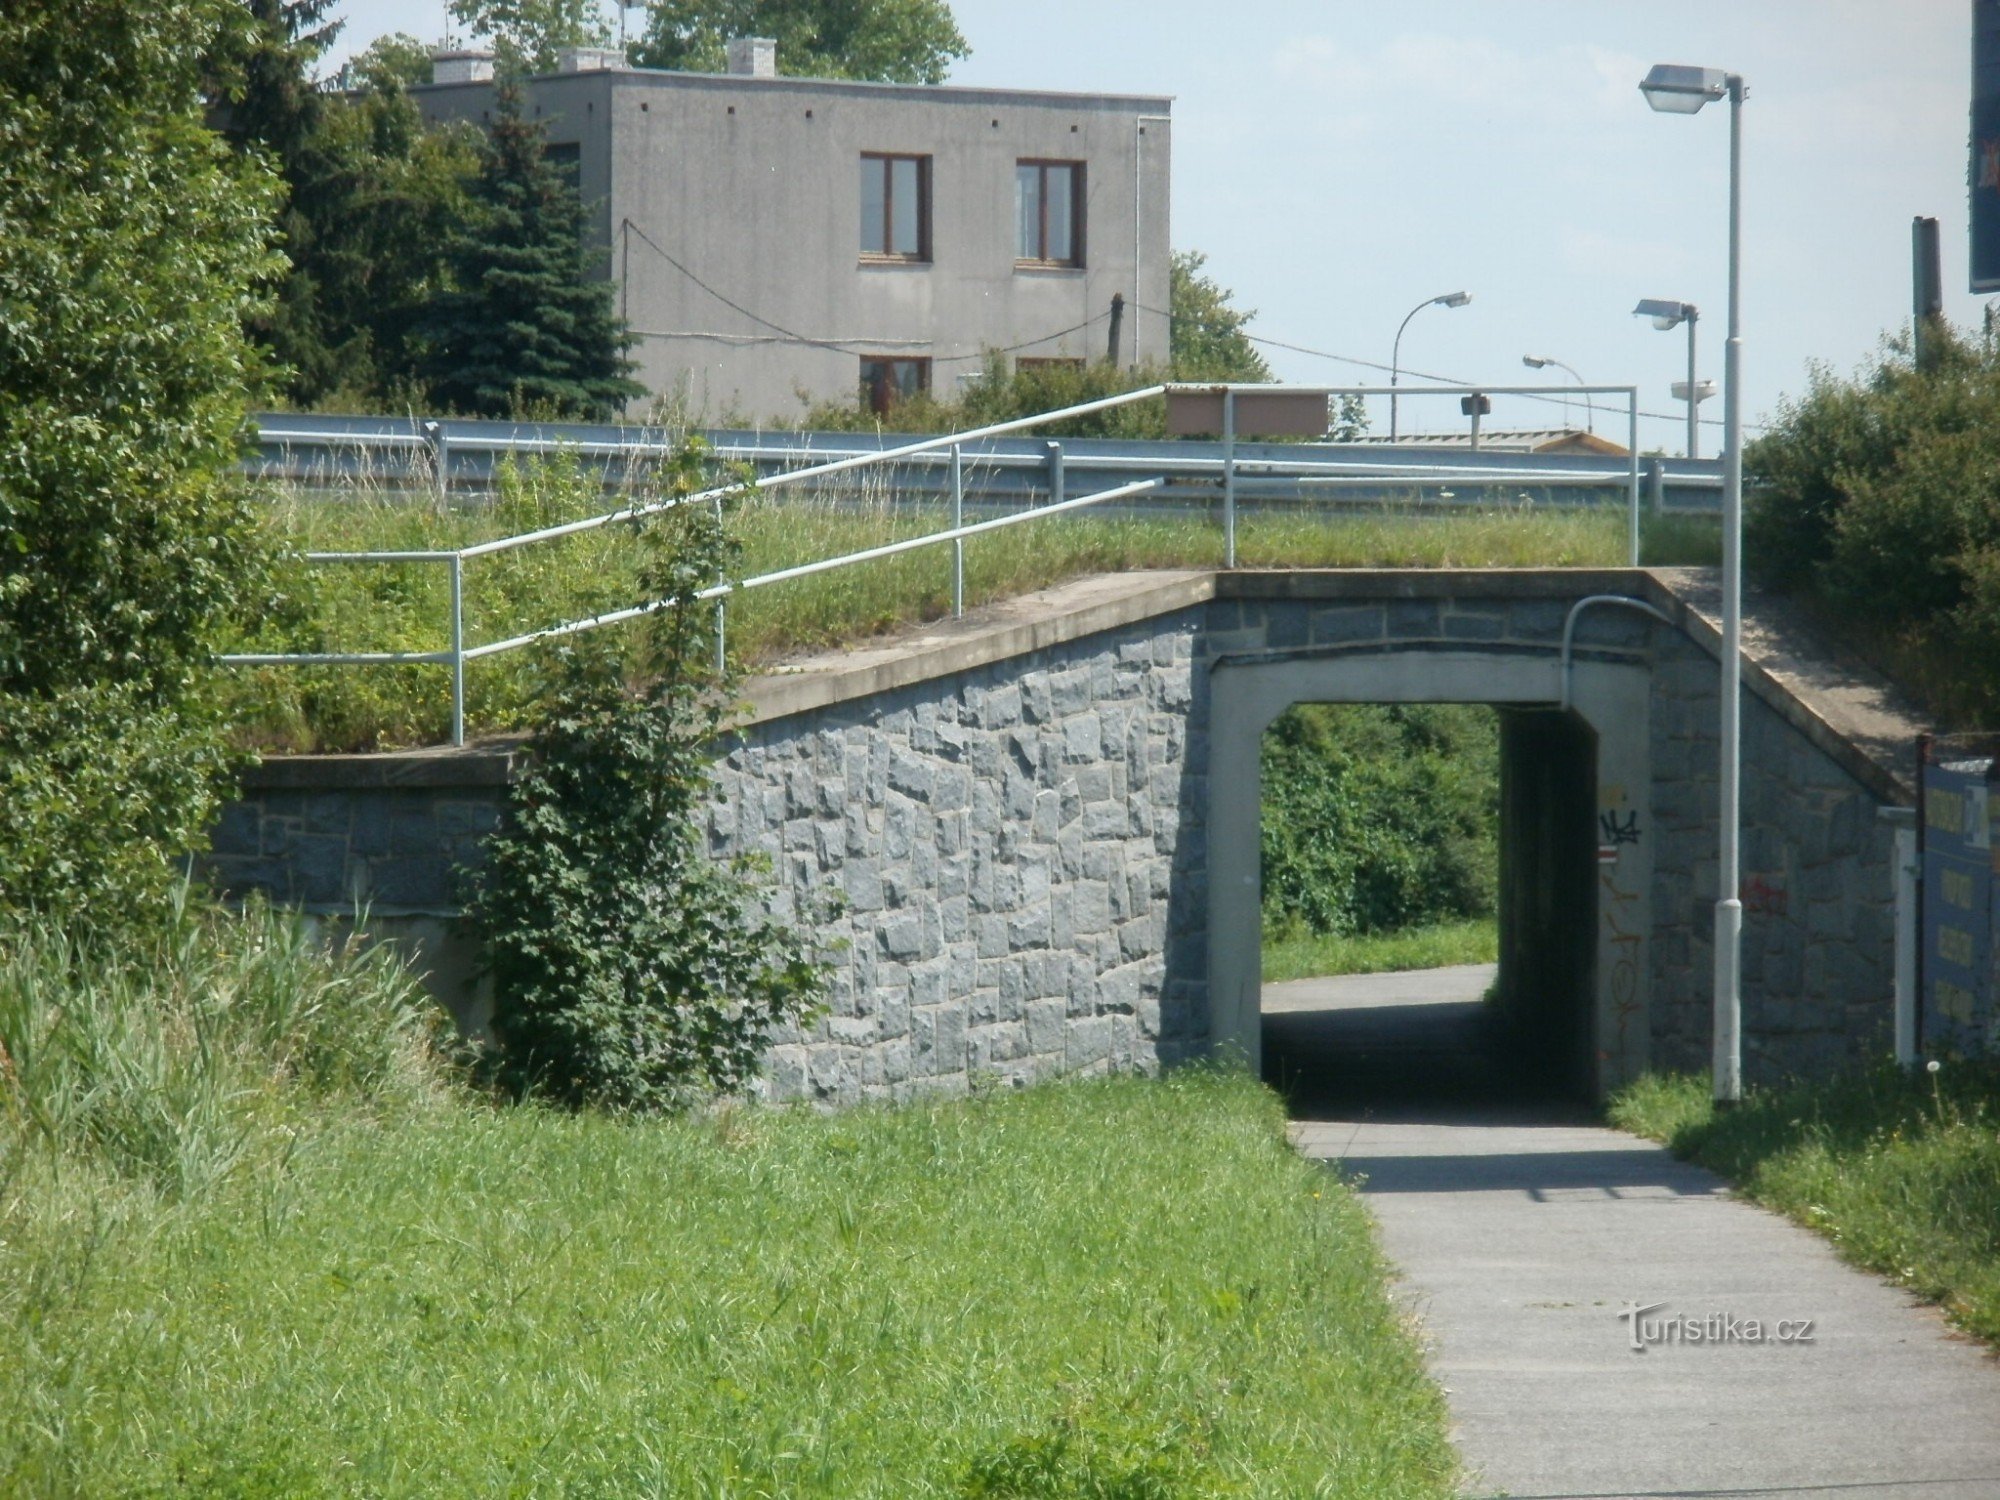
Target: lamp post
[1448,299]
[1542,362]
[1677,89]
[1668,314]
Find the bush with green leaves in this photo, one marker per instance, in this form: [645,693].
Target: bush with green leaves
[132,247]
[1379,817]
[1879,497]
[630,970]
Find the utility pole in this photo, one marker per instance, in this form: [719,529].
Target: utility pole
[1117,324]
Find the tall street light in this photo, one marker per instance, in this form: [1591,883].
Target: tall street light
[1668,314]
[1449,299]
[1543,362]
[1677,89]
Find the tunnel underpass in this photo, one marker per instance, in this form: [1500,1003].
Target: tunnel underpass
[1517,1035]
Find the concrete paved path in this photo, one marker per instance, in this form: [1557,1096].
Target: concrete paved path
[1521,1243]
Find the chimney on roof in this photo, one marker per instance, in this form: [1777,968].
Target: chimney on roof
[589,59]
[753,57]
[456,65]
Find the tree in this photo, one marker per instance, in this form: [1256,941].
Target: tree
[371,198]
[132,249]
[890,41]
[260,75]
[527,35]
[630,970]
[526,326]
[1208,340]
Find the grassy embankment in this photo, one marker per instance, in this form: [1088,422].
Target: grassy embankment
[403,607]
[1434,946]
[255,1241]
[1900,1171]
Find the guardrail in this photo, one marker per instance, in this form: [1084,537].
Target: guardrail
[1226,469]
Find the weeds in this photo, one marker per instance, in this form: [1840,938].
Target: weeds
[170,1060]
[1900,1170]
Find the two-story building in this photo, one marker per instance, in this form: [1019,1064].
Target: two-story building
[780,240]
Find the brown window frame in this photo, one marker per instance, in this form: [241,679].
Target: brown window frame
[922,254]
[879,396]
[1076,200]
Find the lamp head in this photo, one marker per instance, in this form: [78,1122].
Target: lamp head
[1677,89]
[1534,361]
[1665,313]
[1453,299]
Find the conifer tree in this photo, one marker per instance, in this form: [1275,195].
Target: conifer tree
[527,327]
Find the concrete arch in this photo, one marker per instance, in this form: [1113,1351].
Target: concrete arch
[1247,692]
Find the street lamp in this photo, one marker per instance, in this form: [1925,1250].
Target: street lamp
[1542,362]
[1677,89]
[1667,314]
[1449,299]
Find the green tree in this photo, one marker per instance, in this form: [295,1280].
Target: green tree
[371,198]
[132,249]
[526,326]
[1208,340]
[261,74]
[527,35]
[891,41]
[630,970]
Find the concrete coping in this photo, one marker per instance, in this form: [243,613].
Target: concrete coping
[1851,714]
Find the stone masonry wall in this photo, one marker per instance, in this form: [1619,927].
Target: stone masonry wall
[1019,857]
[1818,910]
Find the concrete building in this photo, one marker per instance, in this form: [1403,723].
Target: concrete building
[778,240]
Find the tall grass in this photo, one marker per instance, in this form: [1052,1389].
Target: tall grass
[1901,1171]
[405,606]
[1119,1288]
[173,1058]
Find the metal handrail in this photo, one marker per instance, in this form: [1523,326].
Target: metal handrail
[950,447]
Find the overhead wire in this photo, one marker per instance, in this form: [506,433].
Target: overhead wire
[1370,364]
[835,345]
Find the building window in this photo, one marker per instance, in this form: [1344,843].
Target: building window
[895,207]
[885,381]
[1048,213]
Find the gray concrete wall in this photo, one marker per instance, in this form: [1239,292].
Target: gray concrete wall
[751,185]
[1043,822]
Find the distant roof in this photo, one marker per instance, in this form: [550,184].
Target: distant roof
[948,92]
[1508,440]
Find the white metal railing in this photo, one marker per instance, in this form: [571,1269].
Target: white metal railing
[951,448]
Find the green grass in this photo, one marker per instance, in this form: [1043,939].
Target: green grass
[323,1268]
[403,606]
[1308,955]
[1901,1172]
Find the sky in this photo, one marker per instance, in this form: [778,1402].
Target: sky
[1341,162]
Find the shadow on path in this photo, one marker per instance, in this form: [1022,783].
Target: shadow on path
[1418,1045]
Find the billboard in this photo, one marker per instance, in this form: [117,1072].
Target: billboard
[1984,179]
[1958,907]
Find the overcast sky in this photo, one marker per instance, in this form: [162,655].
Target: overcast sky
[1341,161]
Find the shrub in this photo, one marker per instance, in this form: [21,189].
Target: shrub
[1880,498]
[1378,817]
[131,247]
[630,970]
